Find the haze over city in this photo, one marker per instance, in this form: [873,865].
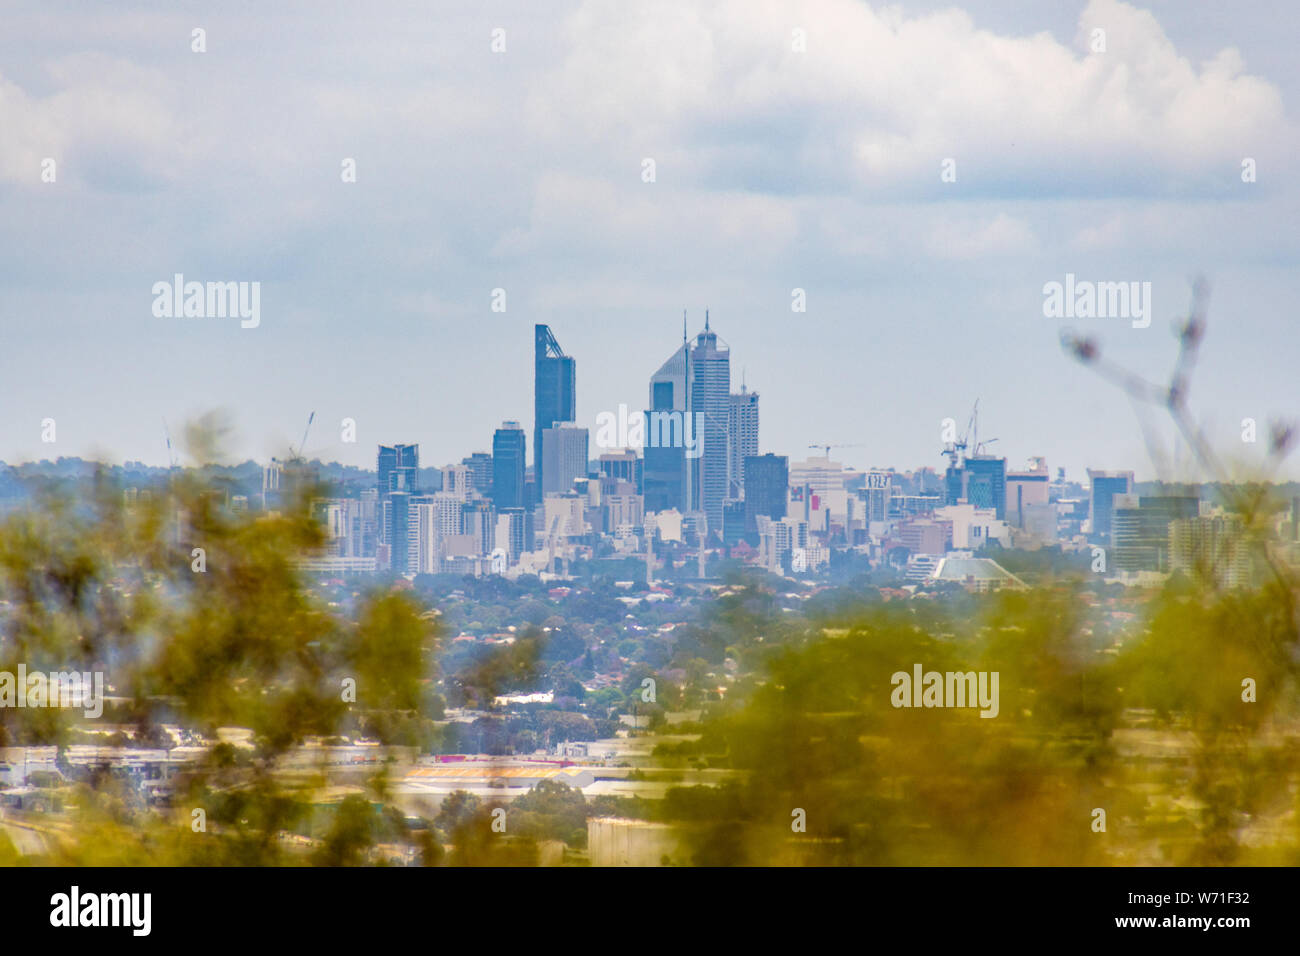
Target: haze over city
[523,169]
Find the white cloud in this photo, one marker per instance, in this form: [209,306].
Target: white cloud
[880,97]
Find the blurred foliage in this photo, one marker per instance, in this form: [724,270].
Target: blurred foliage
[227,637]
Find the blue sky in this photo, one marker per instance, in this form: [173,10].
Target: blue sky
[522,170]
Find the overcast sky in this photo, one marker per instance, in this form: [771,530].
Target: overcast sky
[774,169]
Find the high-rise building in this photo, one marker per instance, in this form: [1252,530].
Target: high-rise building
[742,438]
[624,465]
[1211,550]
[666,479]
[399,475]
[480,472]
[877,496]
[1026,490]
[514,532]
[981,480]
[271,484]
[554,393]
[478,519]
[508,451]
[1140,529]
[767,480]
[564,456]
[456,480]
[399,468]
[1105,486]
[397,530]
[370,519]
[710,406]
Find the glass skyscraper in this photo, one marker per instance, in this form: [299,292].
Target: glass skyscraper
[1105,486]
[508,451]
[981,480]
[665,476]
[399,477]
[710,404]
[554,392]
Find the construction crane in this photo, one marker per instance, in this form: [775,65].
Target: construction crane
[295,454]
[303,444]
[171,453]
[956,450]
[827,448]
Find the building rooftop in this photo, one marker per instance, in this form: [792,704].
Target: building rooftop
[983,571]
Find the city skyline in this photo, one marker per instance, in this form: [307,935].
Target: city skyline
[1126,167]
[843,456]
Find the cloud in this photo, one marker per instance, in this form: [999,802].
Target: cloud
[880,98]
[107,123]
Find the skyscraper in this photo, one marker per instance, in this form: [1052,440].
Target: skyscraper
[564,456]
[742,438]
[1105,486]
[710,405]
[1026,490]
[666,477]
[399,468]
[981,480]
[397,530]
[1140,529]
[508,451]
[554,393]
[399,475]
[767,481]
[480,470]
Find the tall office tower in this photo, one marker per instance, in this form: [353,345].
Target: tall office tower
[1140,529]
[399,473]
[1211,550]
[1026,490]
[767,482]
[710,405]
[514,531]
[480,472]
[981,480]
[370,519]
[666,479]
[478,520]
[554,393]
[877,497]
[456,480]
[564,456]
[1105,486]
[397,530]
[422,538]
[742,438]
[399,468]
[271,483]
[508,451]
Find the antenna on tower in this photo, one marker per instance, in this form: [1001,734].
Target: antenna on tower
[706,320]
[683,325]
